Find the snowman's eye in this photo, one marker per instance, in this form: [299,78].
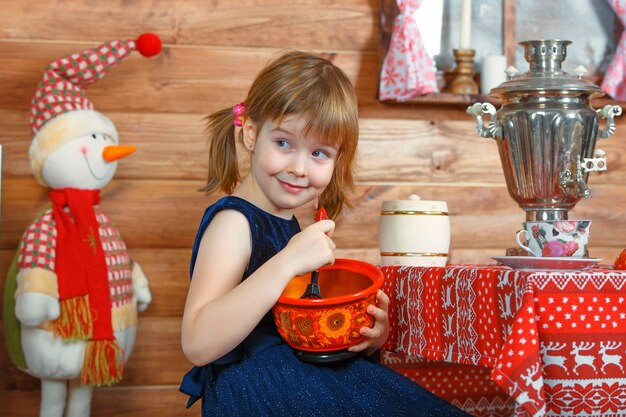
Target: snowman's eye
[93,135]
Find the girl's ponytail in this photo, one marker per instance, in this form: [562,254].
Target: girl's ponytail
[223,170]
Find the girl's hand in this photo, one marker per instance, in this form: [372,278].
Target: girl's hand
[310,249]
[375,337]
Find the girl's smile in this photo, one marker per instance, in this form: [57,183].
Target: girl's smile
[291,188]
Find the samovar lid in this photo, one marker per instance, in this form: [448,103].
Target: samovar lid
[545,75]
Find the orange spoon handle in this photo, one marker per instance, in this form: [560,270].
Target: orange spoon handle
[321,214]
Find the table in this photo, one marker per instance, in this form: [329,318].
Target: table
[465,386]
[553,340]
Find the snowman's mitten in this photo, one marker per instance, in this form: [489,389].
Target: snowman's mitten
[141,288]
[36,297]
[33,308]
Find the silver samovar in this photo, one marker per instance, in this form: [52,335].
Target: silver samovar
[546,131]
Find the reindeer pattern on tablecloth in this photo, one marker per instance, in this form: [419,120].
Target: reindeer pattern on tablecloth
[555,360]
[447,297]
[448,325]
[533,378]
[531,381]
[523,397]
[505,305]
[582,359]
[584,355]
[610,359]
[509,299]
[402,314]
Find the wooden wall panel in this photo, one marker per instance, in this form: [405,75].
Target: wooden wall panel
[172,146]
[304,24]
[165,214]
[192,79]
[450,152]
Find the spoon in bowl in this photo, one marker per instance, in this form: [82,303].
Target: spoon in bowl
[313,288]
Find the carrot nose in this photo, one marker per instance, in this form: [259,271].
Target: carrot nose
[113,153]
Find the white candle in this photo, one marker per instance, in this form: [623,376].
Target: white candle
[466,24]
[492,73]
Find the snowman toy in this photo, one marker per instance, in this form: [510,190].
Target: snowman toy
[73,290]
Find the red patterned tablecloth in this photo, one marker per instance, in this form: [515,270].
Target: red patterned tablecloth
[466,386]
[554,340]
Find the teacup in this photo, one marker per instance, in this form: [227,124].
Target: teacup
[555,238]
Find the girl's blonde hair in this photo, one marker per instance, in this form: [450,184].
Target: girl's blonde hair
[294,83]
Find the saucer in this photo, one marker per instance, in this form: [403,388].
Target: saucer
[535,262]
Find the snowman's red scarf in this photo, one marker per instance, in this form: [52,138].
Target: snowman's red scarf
[82,276]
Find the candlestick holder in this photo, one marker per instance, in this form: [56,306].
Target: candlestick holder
[463,82]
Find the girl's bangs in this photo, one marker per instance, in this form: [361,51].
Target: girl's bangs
[329,123]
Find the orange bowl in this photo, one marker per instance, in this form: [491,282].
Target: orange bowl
[331,323]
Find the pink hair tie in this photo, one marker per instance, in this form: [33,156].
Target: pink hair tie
[238,111]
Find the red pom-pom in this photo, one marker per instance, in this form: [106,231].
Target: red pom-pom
[148,44]
[620,262]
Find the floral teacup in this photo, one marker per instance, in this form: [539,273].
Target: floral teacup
[555,238]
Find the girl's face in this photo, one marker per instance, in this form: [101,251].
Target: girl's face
[288,167]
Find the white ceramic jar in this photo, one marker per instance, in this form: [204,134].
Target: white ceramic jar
[414,232]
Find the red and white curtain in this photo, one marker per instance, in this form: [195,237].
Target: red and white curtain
[615,77]
[407,70]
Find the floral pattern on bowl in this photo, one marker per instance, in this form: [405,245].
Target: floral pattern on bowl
[331,323]
[323,330]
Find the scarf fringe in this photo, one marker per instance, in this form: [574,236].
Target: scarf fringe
[103,364]
[74,322]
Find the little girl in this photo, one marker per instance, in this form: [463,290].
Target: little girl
[300,125]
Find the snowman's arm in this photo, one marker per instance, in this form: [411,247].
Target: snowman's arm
[141,288]
[37,292]
[36,297]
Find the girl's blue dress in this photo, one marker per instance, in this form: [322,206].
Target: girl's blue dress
[262,377]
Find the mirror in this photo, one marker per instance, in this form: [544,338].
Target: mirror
[498,25]
[439,24]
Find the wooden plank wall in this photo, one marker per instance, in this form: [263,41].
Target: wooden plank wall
[212,51]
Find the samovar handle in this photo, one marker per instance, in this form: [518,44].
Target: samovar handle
[608,112]
[477,110]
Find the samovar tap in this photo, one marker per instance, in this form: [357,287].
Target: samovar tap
[574,184]
[574,187]
[583,189]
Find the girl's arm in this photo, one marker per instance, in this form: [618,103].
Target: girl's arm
[221,310]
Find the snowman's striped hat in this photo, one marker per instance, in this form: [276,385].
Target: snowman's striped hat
[60,109]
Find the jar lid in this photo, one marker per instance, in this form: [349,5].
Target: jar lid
[414,204]
[545,75]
